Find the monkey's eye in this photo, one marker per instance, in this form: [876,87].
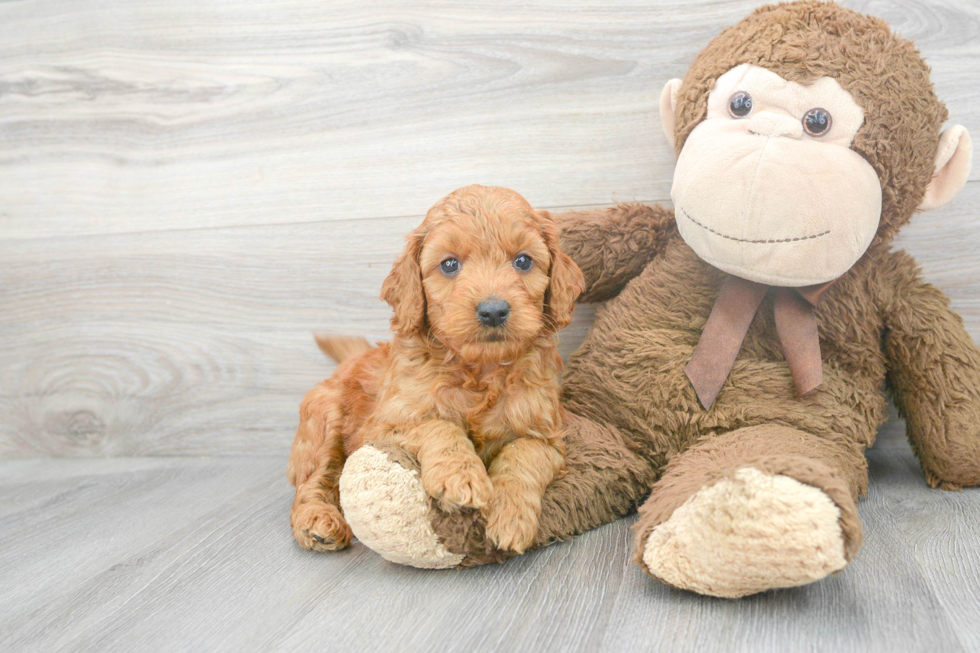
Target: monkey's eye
[450,267]
[816,122]
[740,105]
[523,262]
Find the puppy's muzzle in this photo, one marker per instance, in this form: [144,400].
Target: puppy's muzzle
[492,312]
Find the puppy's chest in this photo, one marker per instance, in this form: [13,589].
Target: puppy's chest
[492,412]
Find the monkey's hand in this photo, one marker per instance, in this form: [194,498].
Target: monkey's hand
[614,245]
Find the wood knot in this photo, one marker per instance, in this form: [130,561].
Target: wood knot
[85,427]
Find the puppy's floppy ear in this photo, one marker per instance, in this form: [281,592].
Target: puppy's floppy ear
[567,280]
[403,290]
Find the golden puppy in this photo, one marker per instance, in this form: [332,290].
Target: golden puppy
[470,382]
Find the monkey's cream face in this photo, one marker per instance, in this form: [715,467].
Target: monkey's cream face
[767,187]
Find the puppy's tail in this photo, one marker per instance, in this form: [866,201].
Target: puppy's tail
[342,348]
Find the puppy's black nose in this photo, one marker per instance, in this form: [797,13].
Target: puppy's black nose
[493,312]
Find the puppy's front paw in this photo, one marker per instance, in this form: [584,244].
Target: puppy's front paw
[512,520]
[457,481]
[320,527]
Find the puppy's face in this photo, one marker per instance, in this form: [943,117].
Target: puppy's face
[491,277]
[485,279]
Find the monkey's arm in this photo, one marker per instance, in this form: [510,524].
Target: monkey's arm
[614,245]
[934,374]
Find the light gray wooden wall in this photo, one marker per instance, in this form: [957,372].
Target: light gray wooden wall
[189,188]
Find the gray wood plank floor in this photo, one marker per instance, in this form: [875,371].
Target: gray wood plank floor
[166,554]
[189,189]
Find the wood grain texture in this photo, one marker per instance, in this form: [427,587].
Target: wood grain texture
[188,190]
[187,115]
[164,344]
[164,554]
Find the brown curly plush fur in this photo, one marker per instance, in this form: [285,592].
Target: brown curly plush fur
[634,417]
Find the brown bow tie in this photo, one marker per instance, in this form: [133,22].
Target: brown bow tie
[737,303]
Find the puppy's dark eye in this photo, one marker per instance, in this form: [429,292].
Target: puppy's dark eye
[740,105]
[450,267]
[816,122]
[523,262]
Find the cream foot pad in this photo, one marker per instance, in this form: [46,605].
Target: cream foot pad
[748,534]
[388,511]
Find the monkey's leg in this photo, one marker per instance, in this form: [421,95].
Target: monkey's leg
[605,480]
[389,511]
[755,509]
[315,464]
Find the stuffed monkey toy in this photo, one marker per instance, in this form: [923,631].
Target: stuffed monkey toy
[750,338]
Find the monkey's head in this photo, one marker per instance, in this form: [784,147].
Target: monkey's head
[805,133]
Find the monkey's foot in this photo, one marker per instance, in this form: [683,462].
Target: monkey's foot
[745,534]
[389,511]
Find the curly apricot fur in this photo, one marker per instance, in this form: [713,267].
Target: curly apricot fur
[458,395]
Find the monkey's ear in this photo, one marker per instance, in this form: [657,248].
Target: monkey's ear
[953,158]
[403,290]
[668,102]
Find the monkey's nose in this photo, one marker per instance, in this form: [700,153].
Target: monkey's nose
[766,123]
[493,312]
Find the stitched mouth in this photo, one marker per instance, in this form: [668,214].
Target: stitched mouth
[745,240]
